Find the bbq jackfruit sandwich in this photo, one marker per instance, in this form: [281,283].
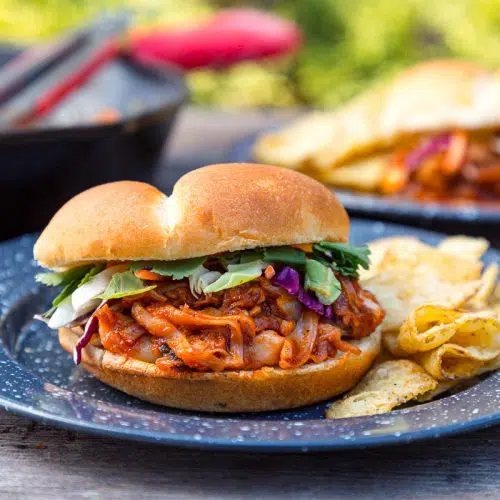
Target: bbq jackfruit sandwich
[238,292]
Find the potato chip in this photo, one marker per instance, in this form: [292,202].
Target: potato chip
[383,356]
[464,246]
[449,386]
[400,293]
[496,294]
[452,361]
[475,343]
[428,327]
[379,249]
[452,344]
[494,302]
[391,342]
[397,243]
[386,386]
[407,251]
[408,273]
[480,329]
[495,309]
[441,387]
[425,259]
[487,288]
[491,366]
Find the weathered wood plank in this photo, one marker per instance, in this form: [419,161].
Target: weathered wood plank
[39,460]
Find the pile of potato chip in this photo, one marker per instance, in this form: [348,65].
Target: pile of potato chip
[442,324]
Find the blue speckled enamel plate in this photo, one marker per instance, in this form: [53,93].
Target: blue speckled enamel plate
[365,204]
[38,380]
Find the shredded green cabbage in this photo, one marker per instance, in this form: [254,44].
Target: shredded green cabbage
[237,274]
[123,285]
[321,280]
[201,278]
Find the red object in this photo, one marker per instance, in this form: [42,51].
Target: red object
[229,37]
[232,36]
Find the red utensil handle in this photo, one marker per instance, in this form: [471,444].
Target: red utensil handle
[53,96]
[229,37]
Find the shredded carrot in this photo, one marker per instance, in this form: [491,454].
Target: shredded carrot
[114,263]
[455,155]
[305,247]
[395,180]
[269,272]
[144,274]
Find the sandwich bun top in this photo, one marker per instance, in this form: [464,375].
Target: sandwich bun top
[214,209]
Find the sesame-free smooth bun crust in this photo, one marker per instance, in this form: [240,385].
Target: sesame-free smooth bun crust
[218,208]
[231,391]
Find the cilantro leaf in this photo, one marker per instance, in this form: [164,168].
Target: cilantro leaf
[64,277]
[64,294]
[239,257]
[286,255]
[177,269]
[346,252]
[345,258]
[247,256]
[50,279]
[71,280]
[95,270]
[123,285]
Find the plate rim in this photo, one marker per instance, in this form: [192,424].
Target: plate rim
[227,444]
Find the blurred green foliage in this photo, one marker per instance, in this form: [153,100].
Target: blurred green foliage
[350,43]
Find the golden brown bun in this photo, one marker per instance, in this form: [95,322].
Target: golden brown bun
[431,96]
[260,390]
[214,209]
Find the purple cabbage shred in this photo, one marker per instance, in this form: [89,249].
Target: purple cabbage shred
[289,279]
[425,150]
[90,328]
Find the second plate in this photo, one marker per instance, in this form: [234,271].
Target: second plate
[370,205]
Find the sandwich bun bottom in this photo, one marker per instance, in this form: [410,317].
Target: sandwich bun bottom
[264,389]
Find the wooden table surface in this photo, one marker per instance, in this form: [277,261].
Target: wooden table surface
[40,461]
